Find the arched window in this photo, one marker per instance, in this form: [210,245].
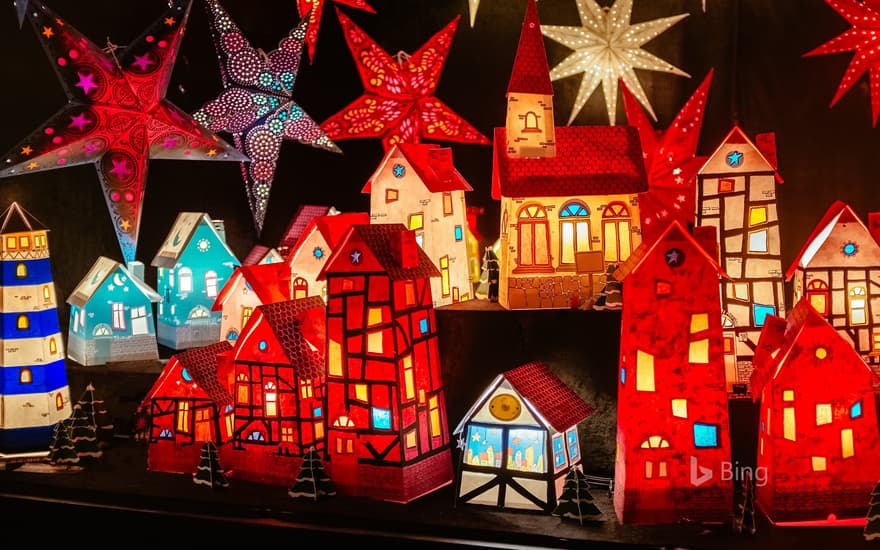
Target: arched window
[300,288]
[21,270]
[47,294]
[533,245]
[211,284]
[23,323]
[101,330]
[817,295]
[59,401]
[616,222]
[530,122]
[574,231]
[270,398]
[655,468]
[185,279]
[199,312]
[53,346]
[858,306]
[25,376]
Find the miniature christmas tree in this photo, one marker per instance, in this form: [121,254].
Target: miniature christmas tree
[84,435]
[209,471]
[872,520]
[611,296]
[744,521]
[61,449]
[576,502]
[97,415]
[312,481]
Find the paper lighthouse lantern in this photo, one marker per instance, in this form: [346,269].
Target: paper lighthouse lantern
[34,395]
[673,435]
[835,270]
[387,431]
[736,194]
[818,445]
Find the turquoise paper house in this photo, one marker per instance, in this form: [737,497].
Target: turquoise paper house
[111,316]
[192,265]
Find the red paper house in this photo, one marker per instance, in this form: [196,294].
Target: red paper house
[278,387]
[387,430]
[818,447]
[187,405]
[248,287]
[672,423]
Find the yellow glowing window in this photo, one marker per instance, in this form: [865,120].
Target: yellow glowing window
[699,322]
[374,341]
[819,464]
[53,346]
[762,446]
[242,388]
[416,221]
[447,203]
[287,435]
[319,430]
[821,353]
[741,291]
[270,399]
[680,408]
[334,359]
[444,276]
[374,316]
[11,243]
[655,442]
[46,293]
[823,414]
[23,323]
[875,342]
[644,371]
[411,439]
[698,351]
[21,270]
[649,469]
[59,401]
[846,443]
[391,195]
[25,376]
[421,396]
[360,392]
[230,425]
[788,427]
[788,395]
[245,315]
[306,389]
[434,408]
[183,416]
[757,215]
[857,306]
[24,242]
[408,381]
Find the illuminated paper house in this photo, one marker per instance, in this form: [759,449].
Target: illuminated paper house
[569,194]
[838,271]
[417,185]
[736,193]
[474,240]
[187,406]
[192,265]
[34,394]
[278,386]
[298,224]
[261,254]
[818,444]
[520,440]
[387,431]
[309,253]
[673,435]
[248,287]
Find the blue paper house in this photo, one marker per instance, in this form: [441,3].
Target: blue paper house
[34,394]
[192,265]
[111,316]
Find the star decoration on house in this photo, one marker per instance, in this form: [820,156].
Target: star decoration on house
[607,49]
[256,104]
[674,257]
[862,38]
[398,104]
[734,159]
[314,9]
[356,256]
[117,117]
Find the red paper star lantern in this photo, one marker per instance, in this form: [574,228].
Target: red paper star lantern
[117,117]
[398,104]
[671,160]
[863,38]
[314,8]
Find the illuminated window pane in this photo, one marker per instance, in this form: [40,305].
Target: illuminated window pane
[526,450]
[857,306]
[788,395]
[25,376]
[705,435]
[680,408]
[53,346]
[23,323]
[184,279]
[855,411]
[360,392]
[757,215]
[411,439]
[319,430]
[741,291]
[11,243]
[761,312]
[374,316]
[698,351]
[823,414]
[444,276]
[699,322]
[725,185]
[644,371]
[661,471]
[183,416]
[875,341]
[758,241]
[423,325]
[572,444]
[819,464]
[846,443]
[391,195]
[434,413]
[484,446]
[459,233]
[788,425]
[623,375]
[416,221]
[381,418]
[334,359]
[409,291]
[408,383]
[59,401]
[559,459]
[821,353]
[374,342]
[447,203]
[662,288]
[21,270]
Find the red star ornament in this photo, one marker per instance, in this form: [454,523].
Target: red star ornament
[314,8]
[671,161]
[863,38]
[398,104]
[117,116]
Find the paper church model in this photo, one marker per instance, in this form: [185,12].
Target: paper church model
[387,431]
[192,266]
[111,315]
[673,435]
[736,193]
[417,185]
[818,440]
[34,394]
[569,194]
[520,440]
[248,287]
[838,272]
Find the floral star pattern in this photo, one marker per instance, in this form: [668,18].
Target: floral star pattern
[314,9]
[607,49]
[398,104]
[117,116]
[256,104]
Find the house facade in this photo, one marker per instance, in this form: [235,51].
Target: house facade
[417,185]
[736,193]
[673,433]
[192,266]
[249,287]
[111,316]
[387,431]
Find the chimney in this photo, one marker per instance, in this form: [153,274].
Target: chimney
[407,249]
[136,269]
[706,237]
[220,228]
[874,225]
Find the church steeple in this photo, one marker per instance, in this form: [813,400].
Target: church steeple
[530,122]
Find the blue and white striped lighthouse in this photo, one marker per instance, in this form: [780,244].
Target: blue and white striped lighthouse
[34,394]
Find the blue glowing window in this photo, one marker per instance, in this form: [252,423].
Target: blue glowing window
[256,436]
[263,345]
[558,451]
[317,412]
[574,209]
[185,375]
[761,312]
[623,375]
[571,439]
[398,170]
[705,435]
[423,325]
[856,410]
[166,434]
[381,418]
[459,234]
[850,248]
[734,159]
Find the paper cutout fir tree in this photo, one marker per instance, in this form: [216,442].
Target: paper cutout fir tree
[611,295]
[312,481]
[576,501]
[61,449]
[872,520]
[84,435]
[209,472]
[744,518]
[97,415]
[117,117]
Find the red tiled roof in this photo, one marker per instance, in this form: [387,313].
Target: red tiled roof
[531,73]
[553,399]
[590,160]
[271,282]
[432,163]
[334,227]
[257,253]
[379,238]
[299,326]
[201,364]
[298,224]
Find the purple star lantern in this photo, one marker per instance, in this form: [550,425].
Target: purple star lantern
[256,106]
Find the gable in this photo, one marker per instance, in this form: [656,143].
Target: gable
[247,347]
[832,250]
[384,177]
[353,256]
[206,248]
[171,384]
[736,146]
[92,281]
[177,239]
[480,411]
[232,288]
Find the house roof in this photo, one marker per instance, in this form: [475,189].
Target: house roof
[379,238]
[299,326]
[258,253]
[201,364]
[432,163]
[552,398]
[16,219]
[531,73]
[765,160]
[298,224]
[270,282]
[102,268]
[589,160]
[179,237]
[838,212]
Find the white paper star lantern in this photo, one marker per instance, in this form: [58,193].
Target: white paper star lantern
[606,50]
